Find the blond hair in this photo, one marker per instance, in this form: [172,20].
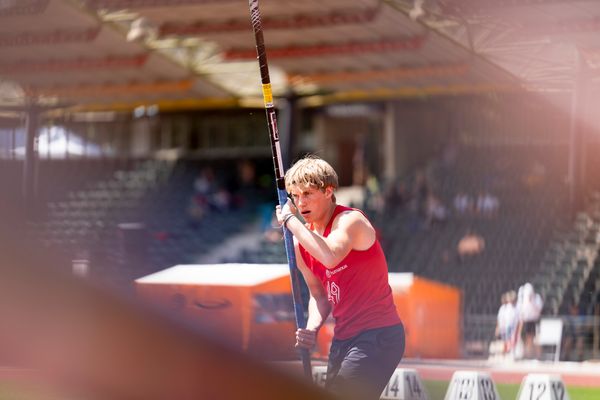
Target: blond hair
[311,171]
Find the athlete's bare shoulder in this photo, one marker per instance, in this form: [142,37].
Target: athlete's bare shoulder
[357,226]
[353,216]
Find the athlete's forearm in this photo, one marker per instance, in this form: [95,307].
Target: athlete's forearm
[318,311]
[316,245]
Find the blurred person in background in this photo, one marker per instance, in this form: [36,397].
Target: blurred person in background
[435,211]
[395,198]
[507,322]
[500,326]
[374,200]
[420,192]
[462,203]
[487,204]
[470,245]
[535,176]
[574,334]
[345,269]
[529,308]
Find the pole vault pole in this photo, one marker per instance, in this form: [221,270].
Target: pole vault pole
[279,172]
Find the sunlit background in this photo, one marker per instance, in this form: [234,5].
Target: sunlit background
[136,174]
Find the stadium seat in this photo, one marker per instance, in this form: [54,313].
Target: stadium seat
[550,335]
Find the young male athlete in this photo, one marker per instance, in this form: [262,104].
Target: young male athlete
[346,272]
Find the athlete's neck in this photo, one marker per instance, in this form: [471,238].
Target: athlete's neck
[320,225]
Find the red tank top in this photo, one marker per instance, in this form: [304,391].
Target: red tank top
[357,287]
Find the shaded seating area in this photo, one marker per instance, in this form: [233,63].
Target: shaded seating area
[570,268]
[515,237]
[138,221]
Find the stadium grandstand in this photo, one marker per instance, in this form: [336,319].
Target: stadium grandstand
[134,143]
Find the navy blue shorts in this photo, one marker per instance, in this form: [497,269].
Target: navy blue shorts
[360,367]
[529,328]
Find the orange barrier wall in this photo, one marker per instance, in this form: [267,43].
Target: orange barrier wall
[247,306]
[430,312]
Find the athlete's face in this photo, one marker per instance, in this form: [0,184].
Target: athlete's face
[313,203]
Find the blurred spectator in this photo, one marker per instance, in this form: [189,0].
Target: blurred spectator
[248,190]
[395,197]
[487,204]
[220,200]
[209,194]
[360,172]
[435,211]
[420,192]
[247,174]
[535,176]
[500,316]
[470,245]
[373,196]
[529,308]
[507,322]
[197,210]
[462,203]
[573,335]
[198,205]
[204,184]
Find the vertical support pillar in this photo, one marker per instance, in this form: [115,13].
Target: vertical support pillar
[67,125]
[166,133]
[390,171]
[288,128]
[28,187]
[13,143]
[576,137]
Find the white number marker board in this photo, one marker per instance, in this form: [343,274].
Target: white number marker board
[319,374]
[471,385]
[405,384]
[542,387]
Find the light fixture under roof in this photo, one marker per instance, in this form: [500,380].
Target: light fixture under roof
[142,29]
[11,93]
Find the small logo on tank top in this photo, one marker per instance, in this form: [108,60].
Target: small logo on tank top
[333,293]
[330,273]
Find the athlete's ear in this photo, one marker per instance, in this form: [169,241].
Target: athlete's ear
[328,192]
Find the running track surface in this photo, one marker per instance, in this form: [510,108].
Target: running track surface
[584,374]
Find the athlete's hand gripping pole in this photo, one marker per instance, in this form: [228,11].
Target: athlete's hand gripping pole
[279,173]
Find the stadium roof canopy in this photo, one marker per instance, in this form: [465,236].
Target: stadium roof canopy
[201,53]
